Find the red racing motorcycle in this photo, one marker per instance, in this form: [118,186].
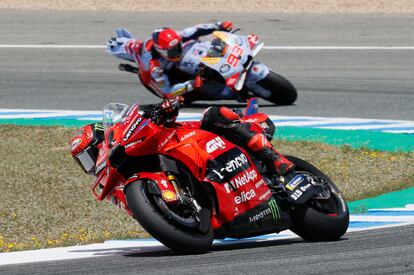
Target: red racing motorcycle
[187,186]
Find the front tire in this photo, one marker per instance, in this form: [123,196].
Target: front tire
[282,91]
[163,228]
[320,220]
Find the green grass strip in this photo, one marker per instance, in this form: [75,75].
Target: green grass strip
[46,122]
[388,200]
[373,140]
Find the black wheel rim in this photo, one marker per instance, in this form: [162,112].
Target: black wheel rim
[180,215]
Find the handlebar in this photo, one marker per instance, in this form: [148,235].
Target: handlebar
[166,111]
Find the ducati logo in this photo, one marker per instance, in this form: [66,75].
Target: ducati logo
[215,144]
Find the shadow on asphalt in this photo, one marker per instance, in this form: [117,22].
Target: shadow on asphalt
[222,247]
[162,251]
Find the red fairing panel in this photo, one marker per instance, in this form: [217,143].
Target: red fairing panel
[238,185]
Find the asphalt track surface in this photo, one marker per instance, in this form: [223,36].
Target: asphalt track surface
[335,83]
[386,251]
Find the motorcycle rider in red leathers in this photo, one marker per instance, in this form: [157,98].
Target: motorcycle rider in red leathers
[157,55]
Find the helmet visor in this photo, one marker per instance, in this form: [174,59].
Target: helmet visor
[86,159]
[173,53]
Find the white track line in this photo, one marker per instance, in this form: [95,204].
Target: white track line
[384,125]
[370,221]
[301,48]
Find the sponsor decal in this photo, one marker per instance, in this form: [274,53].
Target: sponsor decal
[188,64]
[296,195]
[227,125]
[245,196]
[173,42]
[306,187]
[235,55]
[294,182]
[157,73]
[240,181]
[132,129]
[239,41]
[232,165]
[261,215]
[215,144]
[200,51]
[224,68]
[133,143]
[227,165]
[164,183]
[143,125]
[264,125]
[275,209]
[167,139]
[236,211]
[75,144]
[168,196]
[253,39]
[100,167]
[98,126]
[265,195]
[259,183]
[230,81]
[188,135]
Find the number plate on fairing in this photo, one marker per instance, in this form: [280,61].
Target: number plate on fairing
[300,190]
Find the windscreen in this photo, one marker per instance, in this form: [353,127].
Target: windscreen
[113,113]
[217,49]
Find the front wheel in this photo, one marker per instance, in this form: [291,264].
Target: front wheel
[177,228]
[282,91]
[326,216]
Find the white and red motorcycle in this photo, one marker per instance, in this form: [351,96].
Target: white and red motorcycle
[227,66]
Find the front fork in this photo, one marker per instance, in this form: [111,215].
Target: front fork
[166,185]
[183,198]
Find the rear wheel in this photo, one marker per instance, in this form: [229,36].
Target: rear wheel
[326,216]
[179,227]
[282,91]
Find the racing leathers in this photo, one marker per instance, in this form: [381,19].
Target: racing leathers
[225,122]
[154,69]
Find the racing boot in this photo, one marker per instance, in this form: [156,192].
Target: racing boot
[274,161]
[226,122]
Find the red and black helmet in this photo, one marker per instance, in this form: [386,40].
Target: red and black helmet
[167,42]
[84,146]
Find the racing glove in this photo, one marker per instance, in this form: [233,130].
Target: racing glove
[114,42]
[197,82]
[225,26]
[166,111]
[172,105]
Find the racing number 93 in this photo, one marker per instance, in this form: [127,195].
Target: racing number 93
[233,58]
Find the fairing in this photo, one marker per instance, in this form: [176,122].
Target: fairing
[135,148]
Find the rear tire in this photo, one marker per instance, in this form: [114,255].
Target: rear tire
[161,227]
[282,91]
[313,224]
